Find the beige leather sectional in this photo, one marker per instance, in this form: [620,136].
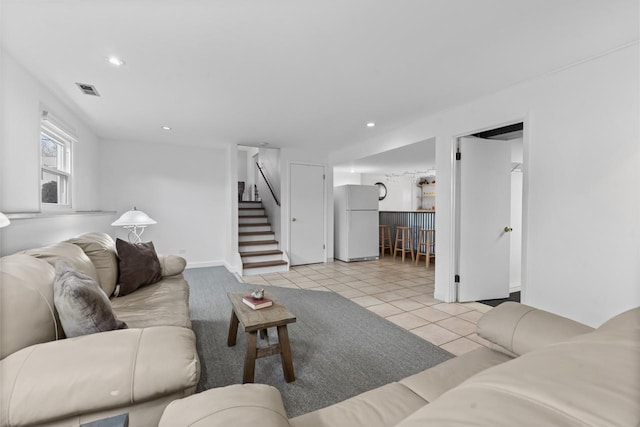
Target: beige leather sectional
[543,370]
[47,379]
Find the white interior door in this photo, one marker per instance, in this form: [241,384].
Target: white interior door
[484,215]
[307,214]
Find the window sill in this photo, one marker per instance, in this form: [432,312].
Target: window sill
[36,215]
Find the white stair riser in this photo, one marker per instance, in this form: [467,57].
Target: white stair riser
[269,236]
[251,212]
[262,220]
[249,205]
[265,270]
[249,229]
[249,248]
[261,258]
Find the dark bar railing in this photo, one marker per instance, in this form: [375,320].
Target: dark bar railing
[262,172]
[415,220]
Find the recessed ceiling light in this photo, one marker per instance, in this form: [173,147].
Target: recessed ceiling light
[114,60]
[166,128]
[370,124]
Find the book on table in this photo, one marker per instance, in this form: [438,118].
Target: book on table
[255,303]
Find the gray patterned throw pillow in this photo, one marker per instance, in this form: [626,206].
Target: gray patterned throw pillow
[81,303]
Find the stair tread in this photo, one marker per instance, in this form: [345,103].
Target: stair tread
[255,224]
[253,216]
[254,233]
[263,264]
[260,253]
[250,209]
[258,242]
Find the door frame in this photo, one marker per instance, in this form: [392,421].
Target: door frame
[324,206]
[455,203]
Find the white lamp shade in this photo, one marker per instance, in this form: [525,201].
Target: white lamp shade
[133,217]
[4,221]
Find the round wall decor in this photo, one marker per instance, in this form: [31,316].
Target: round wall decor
[382,190]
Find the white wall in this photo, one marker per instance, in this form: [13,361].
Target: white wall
[269,159]
[22,99]
[346,178]
[251,173]
[190,191]
[580,146]
[242,166]
[402,195]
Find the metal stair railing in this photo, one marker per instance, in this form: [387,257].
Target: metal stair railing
[262,170]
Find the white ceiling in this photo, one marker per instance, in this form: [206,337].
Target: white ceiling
[417,157]
[295,72]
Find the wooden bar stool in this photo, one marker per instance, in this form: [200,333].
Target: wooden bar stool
[426,241]
[404,235]
[385,240]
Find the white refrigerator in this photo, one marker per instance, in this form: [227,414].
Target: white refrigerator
[355,209]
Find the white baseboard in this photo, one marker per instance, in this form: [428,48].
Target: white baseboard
[514,288]
[203,264]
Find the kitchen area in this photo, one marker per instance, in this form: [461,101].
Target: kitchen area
[406,181]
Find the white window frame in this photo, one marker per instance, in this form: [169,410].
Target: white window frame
[65,137]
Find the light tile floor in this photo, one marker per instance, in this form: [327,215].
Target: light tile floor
[400,292]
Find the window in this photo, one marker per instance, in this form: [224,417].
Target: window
[55,162]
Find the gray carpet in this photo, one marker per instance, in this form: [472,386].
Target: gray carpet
[339,348]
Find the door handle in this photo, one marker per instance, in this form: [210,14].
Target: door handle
[293,219]
[508,229]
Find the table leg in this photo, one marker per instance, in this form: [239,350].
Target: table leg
[250,358]
[428,249]
[233,329]
[285,349]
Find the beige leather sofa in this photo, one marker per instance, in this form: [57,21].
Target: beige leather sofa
[49,380]
[543,370]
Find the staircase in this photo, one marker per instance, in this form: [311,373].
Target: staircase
[258,248]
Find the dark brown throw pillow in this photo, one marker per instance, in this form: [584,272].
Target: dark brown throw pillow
[138,265]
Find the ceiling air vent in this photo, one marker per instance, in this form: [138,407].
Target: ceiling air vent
[88,89]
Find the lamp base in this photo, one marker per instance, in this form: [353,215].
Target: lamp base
[135,233]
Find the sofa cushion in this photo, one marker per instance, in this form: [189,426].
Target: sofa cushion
[516,329]
[101,249]
[172,265]
[238,405]
[629,319]
[381,407]
[82,305]
[163,303]
[69,252]
[138,266]
[27,314]
[56,380]
[591,379]
[433,382]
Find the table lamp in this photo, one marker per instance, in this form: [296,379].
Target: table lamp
[134,221]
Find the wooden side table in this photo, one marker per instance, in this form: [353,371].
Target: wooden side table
[254,321]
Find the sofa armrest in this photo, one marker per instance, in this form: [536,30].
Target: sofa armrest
[96,372]
[516,328]
[172,265]
[238,405]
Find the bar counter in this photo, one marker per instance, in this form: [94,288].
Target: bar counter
[414,219]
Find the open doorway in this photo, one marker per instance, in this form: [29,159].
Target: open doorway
[488,195]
